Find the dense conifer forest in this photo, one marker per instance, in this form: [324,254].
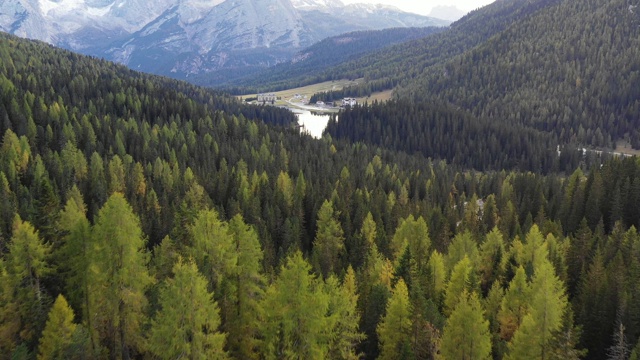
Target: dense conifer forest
[441,131]
[570,69]
[565,69]
[399,63]
[144,218]
[308,65]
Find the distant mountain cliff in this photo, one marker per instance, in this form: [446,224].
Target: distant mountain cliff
[185,39]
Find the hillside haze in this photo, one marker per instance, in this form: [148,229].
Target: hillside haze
[447,12]
[184,39]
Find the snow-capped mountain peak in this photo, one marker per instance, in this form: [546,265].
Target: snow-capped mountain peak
[316,4]
[373,7]
[182,38]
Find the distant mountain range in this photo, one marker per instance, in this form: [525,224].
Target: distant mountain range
[186,39]
[309,62]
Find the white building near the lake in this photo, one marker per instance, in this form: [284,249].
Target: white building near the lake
[349,102]
[267,97]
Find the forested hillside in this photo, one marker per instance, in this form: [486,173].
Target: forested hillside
[571,69]
[308,64]
[567,70]
[392,65]
[146,218]
[441,131]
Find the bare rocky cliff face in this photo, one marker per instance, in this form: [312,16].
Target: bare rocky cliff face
[187,38]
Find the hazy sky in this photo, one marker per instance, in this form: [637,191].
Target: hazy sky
[424,6]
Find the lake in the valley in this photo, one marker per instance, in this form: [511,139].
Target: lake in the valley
[312,123]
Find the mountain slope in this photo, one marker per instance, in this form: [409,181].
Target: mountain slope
[78,23]
[571,68]
[568,69]
[325,54]
[405,61]
[187,38]
[323,5]
[185,41]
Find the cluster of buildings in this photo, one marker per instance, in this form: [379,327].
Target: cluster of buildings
[349,102]
[267,98]
[345,102]
[272,98]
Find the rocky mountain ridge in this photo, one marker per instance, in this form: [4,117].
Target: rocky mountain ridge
[184,39]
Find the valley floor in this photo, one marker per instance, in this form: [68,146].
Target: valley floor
[297,98]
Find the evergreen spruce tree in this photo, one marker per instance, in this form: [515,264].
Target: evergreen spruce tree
[462,279]
[565,344]
[438,275]
[27,264]
[414,234]
[58,333]
[635,353]
[394,330]
[534,338]
[328,246]
[620,348]
[466,335]
[534,250]
[212,247]
[76,252]
[548,305]
[525,342]
[594,309]
[492,259]
[244,308]
[492,305]
[295,324]
[9,321]
[119,278]
[462,245]
[344,316]
[188,320]
[515,305]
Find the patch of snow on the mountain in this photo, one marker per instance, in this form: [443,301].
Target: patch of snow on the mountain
[123,54]
[99,12]
[316,4]
[64,8]
[155,26]
[194,36]
[193,11]
[372,8]
[51,8]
